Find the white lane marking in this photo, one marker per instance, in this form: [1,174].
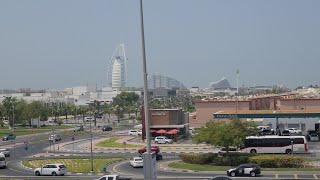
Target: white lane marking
[315,176]
[114,169]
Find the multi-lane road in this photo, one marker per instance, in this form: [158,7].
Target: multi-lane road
[18,153]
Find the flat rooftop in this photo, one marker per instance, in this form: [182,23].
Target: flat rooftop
[268,114]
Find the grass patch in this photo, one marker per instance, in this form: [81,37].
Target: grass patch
[198,167]
[112,143]
[20,132]
[56,127]
[74,165]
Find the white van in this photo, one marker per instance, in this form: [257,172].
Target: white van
[3,162]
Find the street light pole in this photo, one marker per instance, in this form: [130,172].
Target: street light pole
[91,147]
[13,123]
[149,162]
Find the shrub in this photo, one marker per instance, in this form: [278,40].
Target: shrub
[277,161]
[59,122]
[230,160]
[197,158]
[1,123]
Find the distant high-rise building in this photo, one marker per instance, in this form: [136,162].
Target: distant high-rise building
[117,70]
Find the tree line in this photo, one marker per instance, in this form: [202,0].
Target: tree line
[129,103]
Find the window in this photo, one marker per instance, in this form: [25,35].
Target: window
[2,159]
[62,166]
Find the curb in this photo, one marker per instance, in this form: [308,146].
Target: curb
[25,166]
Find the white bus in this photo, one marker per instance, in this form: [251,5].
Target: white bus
[275,144]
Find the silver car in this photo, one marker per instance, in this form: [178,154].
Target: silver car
[314,137]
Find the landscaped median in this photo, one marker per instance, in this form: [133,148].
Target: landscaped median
[26,131]
[112,142]
[213,162]
[74,165]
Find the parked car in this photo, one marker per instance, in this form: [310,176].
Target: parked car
[51,169]
[54,137]
[136,162]
[314,137]
[88,119]
[78,128]
[245,169]
[266,132]
[153,148]
[9,137]
[294,131]
[309,133]
[5,152]
[3,162]
[106,128]
[285,133]
[135,133]
[162,140]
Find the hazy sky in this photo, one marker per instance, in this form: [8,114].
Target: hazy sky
[58,44]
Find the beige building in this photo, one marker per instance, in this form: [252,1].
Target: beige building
[206,108]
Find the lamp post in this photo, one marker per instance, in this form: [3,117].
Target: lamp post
[237,96]
[149,163]
[13,123]
[91,155]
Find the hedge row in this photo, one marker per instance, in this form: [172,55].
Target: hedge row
[198,158]
[278,161]
[213,159]
[264,161]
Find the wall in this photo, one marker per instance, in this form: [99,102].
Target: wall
[205,110]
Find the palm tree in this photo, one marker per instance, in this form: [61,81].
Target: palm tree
[107,110]
[83,110]
[8,104]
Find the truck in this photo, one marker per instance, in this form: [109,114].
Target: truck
[113,177]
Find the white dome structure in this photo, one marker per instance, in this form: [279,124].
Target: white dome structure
[117,70]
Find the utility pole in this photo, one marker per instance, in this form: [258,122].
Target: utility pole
[149,162]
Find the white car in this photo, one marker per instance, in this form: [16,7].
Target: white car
[51,169]
[135,133]
[294,131]
[136,162]
[3,162]
[162,140]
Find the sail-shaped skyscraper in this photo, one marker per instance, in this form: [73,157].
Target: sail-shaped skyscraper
[117,70]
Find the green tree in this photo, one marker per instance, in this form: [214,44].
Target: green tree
[83,110]
[124,102]
[224,134]
[8,105]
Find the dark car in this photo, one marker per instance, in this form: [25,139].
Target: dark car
[309,133]
[106,128]
[158,157]
[266,132]
[9,137]
[245,169]
[285,133]
[153,148]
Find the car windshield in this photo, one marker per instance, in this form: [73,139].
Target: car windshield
[2,159]
[314,135]
[138,159]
